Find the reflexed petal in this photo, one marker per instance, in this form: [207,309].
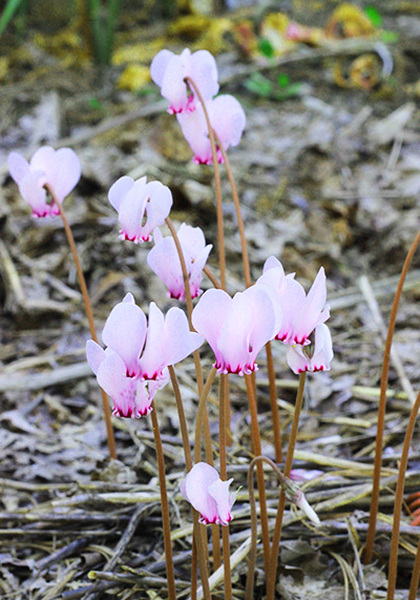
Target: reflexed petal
[195,490]
[194,129]
[203,71]
[131,212]
[159,66]
[18,166]
[42,158]
[122,389]
[63,172]
[158,207]
[234,340]
[219,490]
[125,332]
[95,354]
[164,261]
[209,315]
[272,263]
[266,319]
[153,359]
[173,88]
[323,353]
[297,360]
[32,191]
[144,398]
[178,339]
[120,189]
[227,118]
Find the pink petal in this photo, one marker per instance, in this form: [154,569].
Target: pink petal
[144,398]
[266,319]
[32,191]
[131,211]
[233,346]
[209,316]
[63,172]
[159,66]
[203,71]
[227,118]
[194,129]
[323,353]
[179,340]
[195,490]
[164,261]
[173,88]
[122,389]
[94,355]
[153,358]
[219,491]
[125,332]
[158,206]
[18,166]
[120,189]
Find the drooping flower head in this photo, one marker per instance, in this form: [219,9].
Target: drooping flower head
[236,328]
[208,494]
[59,169]
[301,312]
[141,207]
[169,70]
[163,259]
[227,118]
[313,357]
[134,364]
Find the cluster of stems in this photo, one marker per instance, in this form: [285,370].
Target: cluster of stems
[221,553]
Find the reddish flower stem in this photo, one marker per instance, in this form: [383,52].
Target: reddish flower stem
[89,314]
[399,493]
[414,584]
[271,581]
[223,477]
[256,448]
[219,207]
[370,538]
[165,507]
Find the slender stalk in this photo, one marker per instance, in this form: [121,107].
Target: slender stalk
[271,582]
[185,277]
[244,247]
[399,493]
[201,411]
[165,507]
[223,477]
[249,593]
[414,584]
[278,443]
[256,446]
[219,207]
[89,314]
[212,278]
[370,537]
[182,419]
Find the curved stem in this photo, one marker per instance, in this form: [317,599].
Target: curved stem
[399,493]
[271,583]
[201,411]
[244,246]
[253,551]
[256,448]
[185,277]
[223,477]
[165,508]
[182,419]
[212,278]
[89,314]
[370,537]
[219,207]
[414,584]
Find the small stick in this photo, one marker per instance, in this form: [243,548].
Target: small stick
[370,538]
[89,314]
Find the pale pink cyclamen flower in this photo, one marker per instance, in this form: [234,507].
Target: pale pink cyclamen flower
[60,169]
[168,71]
[141,207]
[227,118]
[301,312]
[236,328]
[314,357]
[208,494]
[163,259]
[134,365]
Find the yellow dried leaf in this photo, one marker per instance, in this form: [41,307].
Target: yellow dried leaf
[190,25]
[4,67]
[349,21]
[273,29]
[139,53]
[134,78]
[214,39]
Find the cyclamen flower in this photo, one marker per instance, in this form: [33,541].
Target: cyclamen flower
[141,207]
[228,120]
[208,494]
[301,312]
[312,358]
[236,328]
[134,365]
[168,71]
[163,259]
[60,169]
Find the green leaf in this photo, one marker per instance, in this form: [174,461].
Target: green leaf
[373,15]
[8,13]
[260,85]
[266,47]
[389,37]
[95,104]
[283,80]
